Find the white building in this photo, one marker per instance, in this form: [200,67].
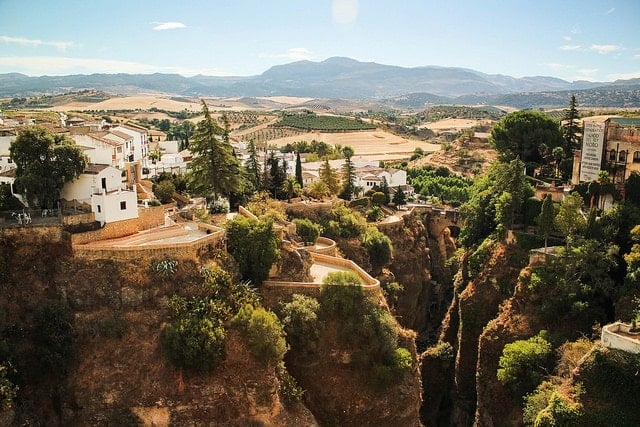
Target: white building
[101,187]
[6,138]
[102,150]
[139,149]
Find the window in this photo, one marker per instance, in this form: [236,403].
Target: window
[10,160]
[99,209]
[622,157]
[636,157]
[612,155]
[123,206]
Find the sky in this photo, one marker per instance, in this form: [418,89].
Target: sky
[595,40]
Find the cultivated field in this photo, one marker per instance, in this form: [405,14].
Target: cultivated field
[377,144]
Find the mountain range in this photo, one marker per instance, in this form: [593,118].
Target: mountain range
[346,78]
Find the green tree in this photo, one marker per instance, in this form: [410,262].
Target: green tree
[524,363]
[44,163]
[384,188]
[399,198]
[545,219]
[632,188]
[348,174]
[290,187]
[329,177]
[570,126]
[164,191]
[299,179]
[254,174]
[378,246]
[301,322]
[307,229]
[519,135]
[196,341]
[276,174]
[264,333]
[183,132]
[378,198]
[254,245]
[570,220]
[214,169]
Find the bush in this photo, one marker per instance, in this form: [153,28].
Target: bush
[344,223]
[8,390]
[524,363]
[264,333]
[219,206]
[307,229]
[378,247]
[195,343]
[290,391]
[374,214]
[378,198]
[164,267]
[164,191]
[254,245]
[301,324]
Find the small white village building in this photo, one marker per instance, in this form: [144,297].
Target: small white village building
[101,187]
[139,148]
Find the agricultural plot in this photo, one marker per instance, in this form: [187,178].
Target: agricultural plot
[310,122]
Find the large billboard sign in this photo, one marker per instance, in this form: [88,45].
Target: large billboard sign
[592,147]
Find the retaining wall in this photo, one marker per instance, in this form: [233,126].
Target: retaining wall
[612,338]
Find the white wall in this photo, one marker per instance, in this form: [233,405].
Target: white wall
[116,206]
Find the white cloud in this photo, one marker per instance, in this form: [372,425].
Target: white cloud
[36,42]
[570,47]
[637,56]
[624,76]
[566,38]
[610,11]
[344,11]
[57,66]
[605,48]
[162,26]
[295,53]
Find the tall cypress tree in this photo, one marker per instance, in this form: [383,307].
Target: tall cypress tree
[299,169]
[252,166]
[545,219]
[348,174]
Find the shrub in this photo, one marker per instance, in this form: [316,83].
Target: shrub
[378,198]
[164,267]
[290,391]
[219,206]
[344,223]
[8,390]
[301,324]
[307,229]
[195,343]
[164,191]
[254,245]
[524,363]
[374,214]
[378,247]
[264,333]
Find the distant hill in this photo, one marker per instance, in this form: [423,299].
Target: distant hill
[344,78]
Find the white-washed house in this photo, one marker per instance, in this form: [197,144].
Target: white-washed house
[139,150]
[101,187]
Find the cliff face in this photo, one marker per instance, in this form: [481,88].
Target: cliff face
[118,371]
[419,266]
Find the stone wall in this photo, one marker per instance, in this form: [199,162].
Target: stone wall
[111,230]
[613,336]
[213,241]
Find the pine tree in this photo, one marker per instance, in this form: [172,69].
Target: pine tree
[399,199]
[214,169]
[570,125]
[385,190]
[253,167]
